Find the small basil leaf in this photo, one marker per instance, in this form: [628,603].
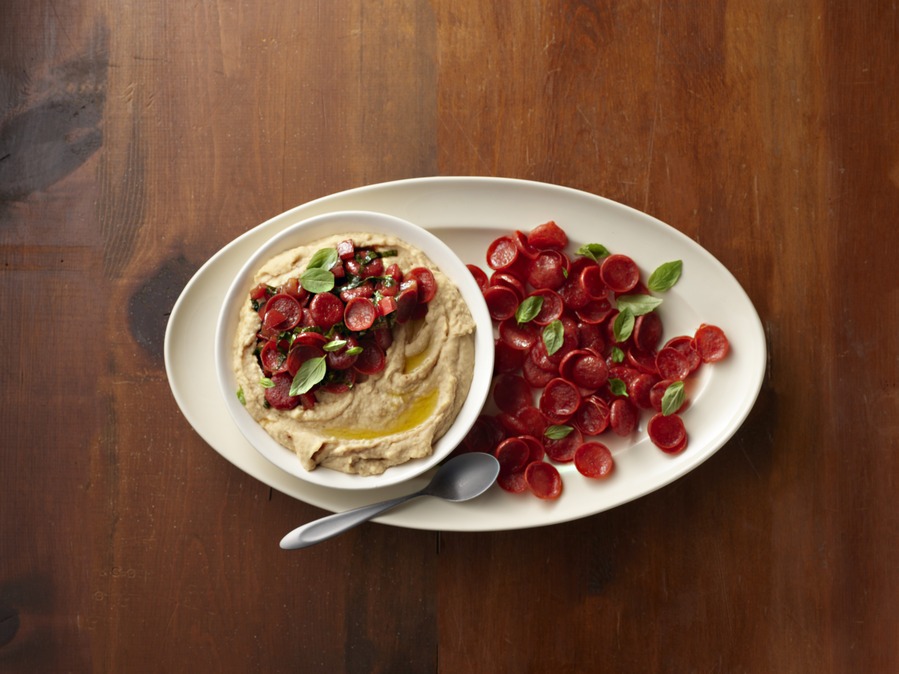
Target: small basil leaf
[553,336]
[623,325]
[528,309]
[354,351]
[241,397]
[335,345]
[618,387]
[311,372]
[595,251]
[557,432]
[673,398]
[638,304]
[265,382]
[317,280]
[324,258]
[617,355]
[665,276]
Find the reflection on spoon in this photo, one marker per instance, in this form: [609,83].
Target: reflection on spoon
[459,479]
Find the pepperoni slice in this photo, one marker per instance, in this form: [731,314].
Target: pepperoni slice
[484,435]
[359,314]
[480,277]
[514,483]
[685,345]
[372,360]
[666,432]
[526,421]
[639,389]
[584,368]
[544,480]
[427,284]
[559,400]
[365,290]
[647,331]
[561,450]
[589,336]
[406,302]
[550,309]
[645,362]
[547,270]
[503,278]
[622,417]
[512,454]
[341,359]
[373,268]
[534,375]
[537,452]
[517,335]
[672,364]
[548,235]
[502,302]
[526,249]
[573,294]
[590,279]
[278,396]
[511,393]
[592,416]
[289,308]
[507,358]
[299,354]
[594,312]
[272,359]
[502,253]
[593,459]
[620,273]
[326,310]
[711,343]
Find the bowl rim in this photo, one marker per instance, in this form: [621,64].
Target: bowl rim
[311,229]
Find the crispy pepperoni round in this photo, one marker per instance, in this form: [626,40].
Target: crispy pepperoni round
[504,278]
[639,390]
[561,450]
[278,396]
[272,358]
[666,432]
[326,310]
[550,309]
[514,483]
[711,343]
[594,312]
[537,452]
[520,336]
[427,284]
[502,302]
[672,364]
[524,247]
[289,307]
[507,358]
[484,435]
[592,416]
[647,331]
[372,360]
[685,345]
[534,375]
[590,280]
[548,235]
[620,273]
[544,480]
[559,400]
[359,314]
[480,277]
[512,454]
[547,270]
[502,253]
[584,368]
[511,393]
[593,459]
[622,417]
[644,362]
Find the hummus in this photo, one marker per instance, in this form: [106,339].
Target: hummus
[385,419]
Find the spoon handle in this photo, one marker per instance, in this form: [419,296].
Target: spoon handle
[332,525]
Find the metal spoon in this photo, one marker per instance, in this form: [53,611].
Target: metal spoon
[459,479]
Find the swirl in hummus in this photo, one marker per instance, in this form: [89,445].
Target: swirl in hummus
[383,420]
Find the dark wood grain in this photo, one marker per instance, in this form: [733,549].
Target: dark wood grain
[138,139]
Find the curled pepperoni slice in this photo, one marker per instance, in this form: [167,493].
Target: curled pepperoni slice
[593,459]
[272,358]
[278,396]
[711,343]
[365,290]
[594,311]
[592,416]
[548,270]
[548,235]
[561,450]
[326,310]
[534,375]
[647,331]
[544,480]
[685,345]
[589,336]
[407,302]
[299,354]
[288,306]
[372,360]
[620,273]
[507,358]
[537,452]
[518,335]
[359,314]
[584,368]
[427,284]
[373,268]
[622,417]
[573,294]
[559,400]
[526,421]
[550,309]
[511,393]
[342,359]
[512,454]
[672,364]
[666,432]
[480,277]
[526,249]
[503,278]
[639,390]
[501,302]
[590,279]
[502,253]
[514,483]
[645,362]
[484,435]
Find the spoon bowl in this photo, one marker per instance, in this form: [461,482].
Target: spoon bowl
[460,479]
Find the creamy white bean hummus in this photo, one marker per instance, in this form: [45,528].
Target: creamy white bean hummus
[386,419]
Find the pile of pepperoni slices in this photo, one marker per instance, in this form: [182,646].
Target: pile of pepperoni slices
[579,354]
[331,324]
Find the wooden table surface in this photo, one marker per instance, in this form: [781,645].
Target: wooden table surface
[138,138]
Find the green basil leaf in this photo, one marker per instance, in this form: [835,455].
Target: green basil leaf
[354,351]
[311,372]
[528,309]
[553,336]
[673,398]
[623,325]
[335,345]
[618,387]
[557,432]
[617,355]
[595,251]
[317,280]
[638,304]
[241,397]
[665,276]
[265,382]
[324,258]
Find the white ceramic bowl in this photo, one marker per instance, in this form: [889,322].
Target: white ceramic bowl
[337,223]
